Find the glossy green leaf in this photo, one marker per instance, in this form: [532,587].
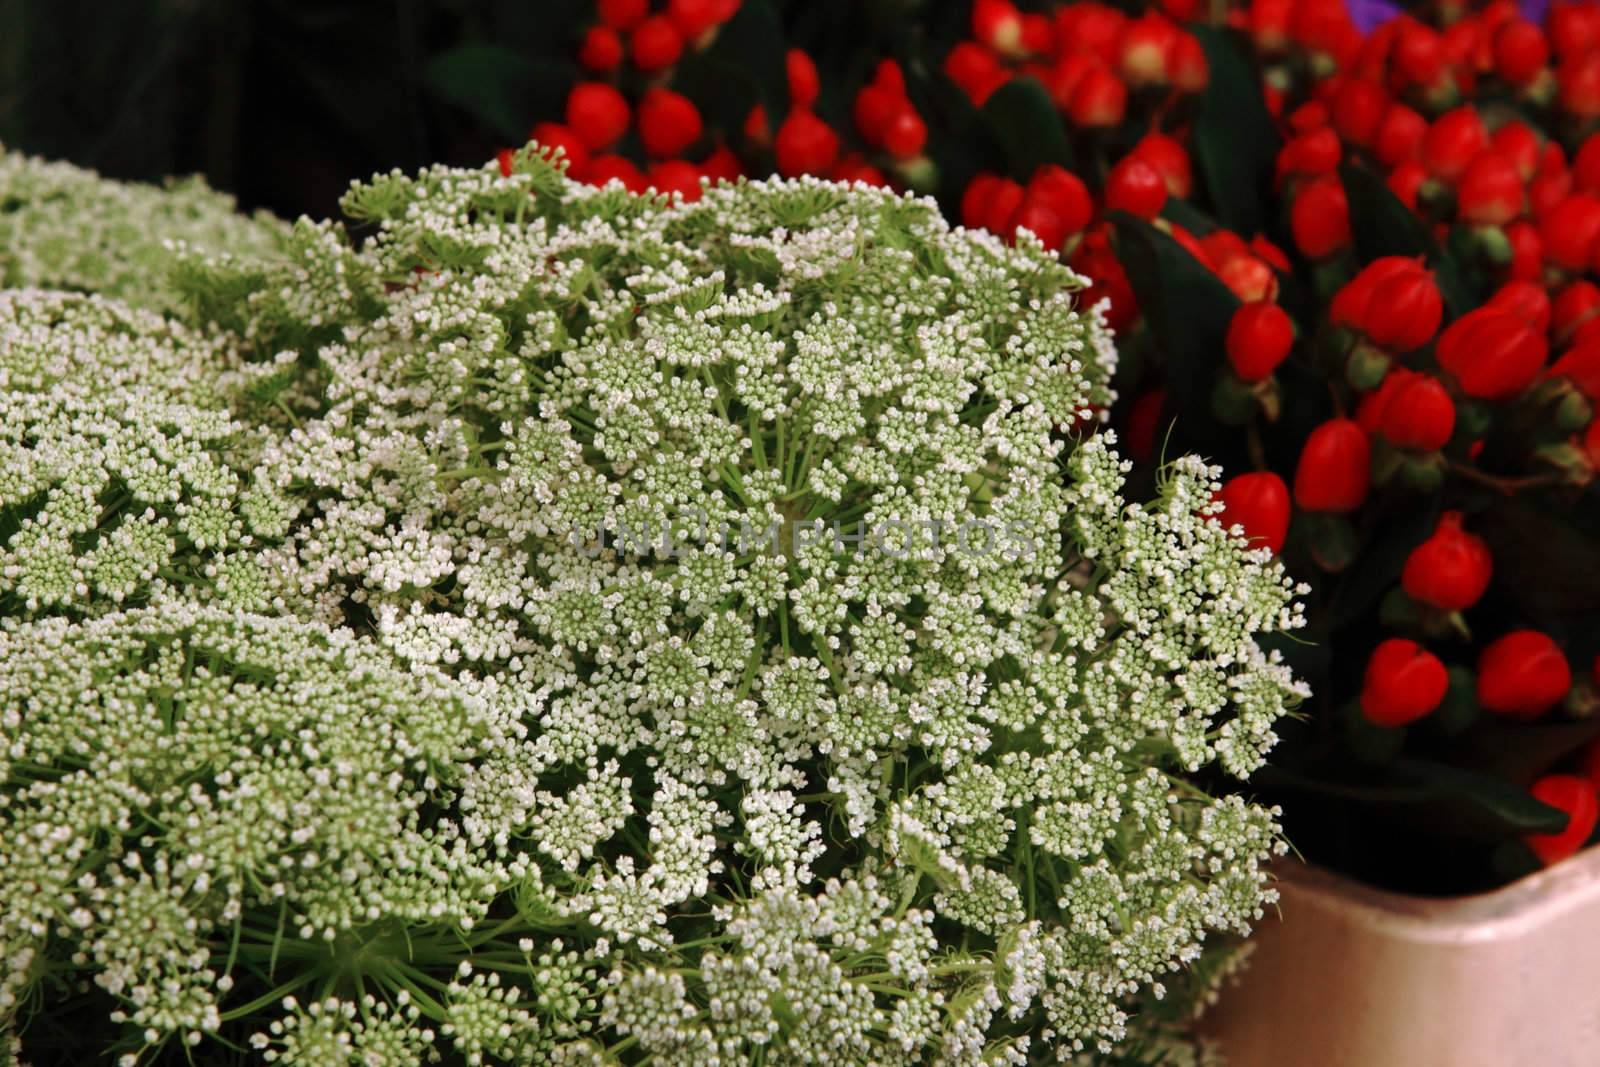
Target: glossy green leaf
[494,85]
[1235,142]
[1024,122]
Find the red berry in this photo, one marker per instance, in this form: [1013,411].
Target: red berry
[1354,299]
[601,49]
[1250,278]
[1576,797]
[1320,218]
[1093,28]
[1570,230]
[604,168]
[1418,415]
[802,75]
[1189,69]
[1259,502]
[1527,252]
[1063,193]
[668,122]
[1259,338]
[622,15]
[1453,141]
[1547,190]
[805,144]
[506,158]
[1520,144]
[1136,187]
[1004,200]
[1405,310]
[975,199]
[1586,165]
[1403,683]
[875,107]
[1358,109]
[1451,569]
[1099,100]
[1147,46]
[1574,28]
[998,24]
[1520,51]
[1580,365]
[691,18]
[1574,305]
[1171,161]
[1493,354]
[975,70]
[1527,300]
[721,165]
[1038,34]
[1310,154]
[906,133]
[1039,219]
[853,168]
[1334,472]
[1522,675]
[1399,135]
[1489,192]
[553,135]
[676,176]
[1418,53]
[1578,85]
[597,113]
[656,44]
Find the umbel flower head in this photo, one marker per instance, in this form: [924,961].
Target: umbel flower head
[646,631]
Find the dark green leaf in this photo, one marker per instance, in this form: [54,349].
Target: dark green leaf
[1235,142]
[494,85]
[1026,125]
[1547,566]
[1387,543]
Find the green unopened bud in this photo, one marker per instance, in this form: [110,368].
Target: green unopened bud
[1366,366]
[920,174]
[1492,244]
[1459,708]
[1332,540]
[1369,742]
[1572,409]
[1386,461]
[1436,198]
[1424,473]
[1571,461]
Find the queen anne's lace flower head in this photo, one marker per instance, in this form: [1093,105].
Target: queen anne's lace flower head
[582,628]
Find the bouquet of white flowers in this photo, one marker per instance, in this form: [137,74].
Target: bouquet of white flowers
[576,627]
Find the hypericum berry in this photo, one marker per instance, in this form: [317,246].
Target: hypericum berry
[1527,252]
[1259,338]
[553,135]
[676,176]
[597,113]
[622,15]
[1136,187]
[998,24]
[1320,218]
[1570,231]
[1399,135]
[721,165]
[1334,472]
[1406,181]
[1171,160]
[656,44]
[1038,34]
[1578,85]
[1525,299]
[1309,154]
[1493,354]
[1403,683]
[1577,303]
[853,168]
[1395,302]
[1520,144]
[1489,192]
[906,133]
[1574,29]
[1522,675]
[1099,100]
[1520,51]
[975,70]
[1359,107]
[1451,569]
[1187,66]
[1453,141]
[506,158]
[801,73]
[1418,415]
[1249,277]
[1258,501]
[1005,199]
[1418,53]
[1147,46]
[805,144]
[601,49]
[603,169]
[668,122]
[1064,193]
[1586,165]
[692,18]
[1575,796]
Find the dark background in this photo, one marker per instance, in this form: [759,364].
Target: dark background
[281,102]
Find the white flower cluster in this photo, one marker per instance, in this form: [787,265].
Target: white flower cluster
[327,730]
[63,227]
